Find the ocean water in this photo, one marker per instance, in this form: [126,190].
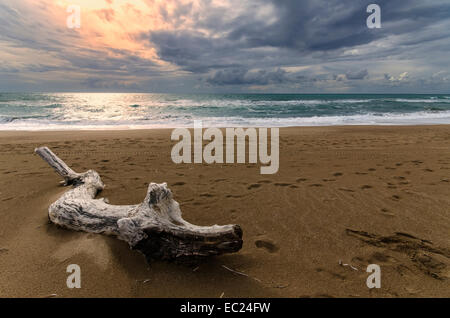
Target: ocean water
[46,111]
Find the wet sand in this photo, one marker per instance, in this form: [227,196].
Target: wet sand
[343,195]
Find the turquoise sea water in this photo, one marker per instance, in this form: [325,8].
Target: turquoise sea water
[41,111]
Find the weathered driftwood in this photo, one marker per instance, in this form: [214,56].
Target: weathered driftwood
[154,227]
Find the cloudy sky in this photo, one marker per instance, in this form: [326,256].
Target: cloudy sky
[225,46]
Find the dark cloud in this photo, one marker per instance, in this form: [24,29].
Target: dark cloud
[193,51]
[245,77]
[318,25]
[317,44]
[190,50]
[302,33]
[359,75]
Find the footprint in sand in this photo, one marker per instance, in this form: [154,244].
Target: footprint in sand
[282,184]
[386,212]
[267,245]
[380,257]
[180,183]
[430,259]
[333,274]
[301,180]
[366,186]
[254,186]
[338,174]
[234,196]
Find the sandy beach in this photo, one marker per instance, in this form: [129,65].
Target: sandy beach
[343,198]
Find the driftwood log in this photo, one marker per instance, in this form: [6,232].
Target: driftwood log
[155,227]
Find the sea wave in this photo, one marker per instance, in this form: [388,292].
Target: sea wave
[418,118]
[218,103]
[401,100]
[116,111]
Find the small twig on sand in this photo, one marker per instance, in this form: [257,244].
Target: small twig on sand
[352,267]
[240,273]
[221,295]
[281,286]
[51,296]
[233,271]
[256,279]
[143,281]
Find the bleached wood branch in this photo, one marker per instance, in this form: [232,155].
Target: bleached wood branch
[155,227]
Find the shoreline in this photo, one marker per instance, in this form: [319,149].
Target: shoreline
[355,195]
